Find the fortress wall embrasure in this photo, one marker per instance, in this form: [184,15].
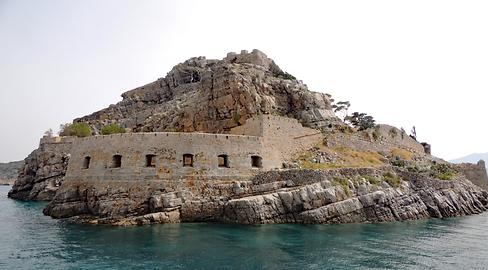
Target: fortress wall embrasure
[168,150]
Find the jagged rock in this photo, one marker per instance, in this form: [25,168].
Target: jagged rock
[43,171]
[215,96]
[227,92]
[298,196]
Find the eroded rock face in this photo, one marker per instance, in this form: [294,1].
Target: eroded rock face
[287,196]
[43,171]
[214,96]
[197,95]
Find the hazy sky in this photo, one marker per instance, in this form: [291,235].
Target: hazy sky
[422,63]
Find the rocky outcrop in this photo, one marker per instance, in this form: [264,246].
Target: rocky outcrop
[9,172]
[357,200]
[43,170]
[197,95]
[227,92]
[285,196]
[216,96]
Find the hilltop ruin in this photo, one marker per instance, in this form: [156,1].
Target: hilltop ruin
[239,140]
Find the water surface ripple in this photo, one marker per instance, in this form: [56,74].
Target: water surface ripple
[29,240]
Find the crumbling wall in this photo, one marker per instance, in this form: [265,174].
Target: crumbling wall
[286,137]
[383,138]
[283,137]
[475,173]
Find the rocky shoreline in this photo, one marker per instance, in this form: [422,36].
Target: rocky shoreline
[373,173]
[286,196]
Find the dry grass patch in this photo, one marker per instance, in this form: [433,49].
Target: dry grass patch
[355,158]
[392,179]
[346,158]
[401,153]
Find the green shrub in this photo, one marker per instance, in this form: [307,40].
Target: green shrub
[112,129]
[392,179]
[442,171]
[344,183]
[76,129]
[287,76]
[413,169]
[398,162]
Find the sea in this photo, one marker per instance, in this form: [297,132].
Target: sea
[30,240]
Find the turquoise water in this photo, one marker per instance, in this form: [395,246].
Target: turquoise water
[29,240]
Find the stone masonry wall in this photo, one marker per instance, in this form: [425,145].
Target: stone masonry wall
[286,137]
[281,138]
[168,149]
[384,138]
[475,173]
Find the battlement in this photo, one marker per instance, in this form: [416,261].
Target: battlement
[255,57]
[167,135]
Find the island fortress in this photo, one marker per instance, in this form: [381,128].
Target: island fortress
[239,140]
[264,142]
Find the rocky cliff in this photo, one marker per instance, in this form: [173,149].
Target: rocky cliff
[43,170]
[197,95]
[287,196]
[227,92]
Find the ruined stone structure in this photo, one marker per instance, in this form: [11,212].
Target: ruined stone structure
[476,173]
[264,143]
[382,138]
[238,140]
[227,91]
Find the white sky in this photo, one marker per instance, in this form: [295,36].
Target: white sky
[422,63]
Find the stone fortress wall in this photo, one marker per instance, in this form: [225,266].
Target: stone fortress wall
[476,173]
[56,141]
[387,138]
[263,143]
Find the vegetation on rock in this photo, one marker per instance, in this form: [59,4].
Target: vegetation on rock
[112,129]
[392,179]
[76,129]
[287,76]
[344,157]
[361,121]
[341,109]
[401,153]
[443,171]
[344,183]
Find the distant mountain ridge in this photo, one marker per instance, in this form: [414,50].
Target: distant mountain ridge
[10,170]
[473,158]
